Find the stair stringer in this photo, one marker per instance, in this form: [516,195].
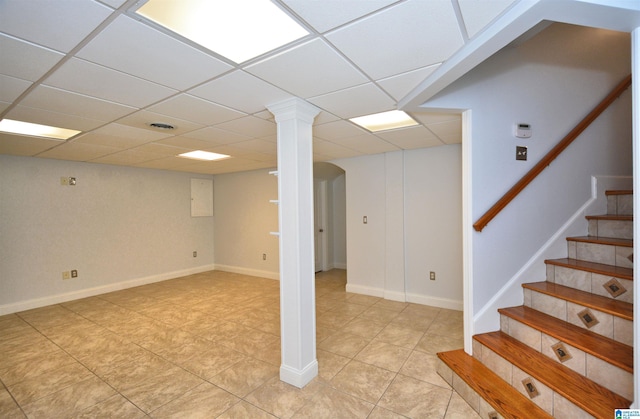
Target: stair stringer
[487,319]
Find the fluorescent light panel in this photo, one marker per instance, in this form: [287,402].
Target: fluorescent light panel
[384,121]
[236,29]
[203,155]
[36,130]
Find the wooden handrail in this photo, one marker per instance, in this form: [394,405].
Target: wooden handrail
[551,155]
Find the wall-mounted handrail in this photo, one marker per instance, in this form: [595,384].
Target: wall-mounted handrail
[551,155]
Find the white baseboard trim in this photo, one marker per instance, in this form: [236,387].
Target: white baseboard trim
[248,271]
[91,292]
[436,302]
[395,296]
[362,289]
[339,265]
[299,378]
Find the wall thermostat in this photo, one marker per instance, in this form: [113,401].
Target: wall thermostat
[522,131]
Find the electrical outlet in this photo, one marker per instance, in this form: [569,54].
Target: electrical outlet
[264,256]
[64,181]
[432,276]
[66,275]
[74,273]
[195,254]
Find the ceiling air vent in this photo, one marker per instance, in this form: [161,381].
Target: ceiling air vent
[161,125]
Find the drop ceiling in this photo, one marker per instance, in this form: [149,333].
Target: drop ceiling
[97,67]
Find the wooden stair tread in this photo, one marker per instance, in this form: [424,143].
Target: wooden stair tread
[615,353]
[599,268]
[619,192]
[584,393]
[602,240]
[499,394]
[616,308]
[612,217]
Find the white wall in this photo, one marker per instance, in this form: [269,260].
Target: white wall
[244,217]
[118,227]
[412,200]
[338,219]
[550,82]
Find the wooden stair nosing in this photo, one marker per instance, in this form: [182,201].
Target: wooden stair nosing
[498,393]
[616,308]
[584,393]
[619,192]
[611,217]
[609,241]
[606,349]
[598,268]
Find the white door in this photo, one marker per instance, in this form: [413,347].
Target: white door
[319,193]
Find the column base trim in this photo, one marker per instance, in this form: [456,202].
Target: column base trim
[299,378]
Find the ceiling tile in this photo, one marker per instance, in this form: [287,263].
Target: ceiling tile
[336,130]
[241,91]
[78,151]
[126,157]
[216,136]
[95,80]
[189,143]
[410,138]
[113,3]
[166,163]
[260,146]
[310,69]
[325,15]
[55,24]
[158,57]
[399,86]
[191,108]
[161,150]
[405,37]
[4,106]
[56,119]
[356,101]
[142,119]
[477,15]
[368,144]
[29,62]
[449,132]
[429,118]
[120,136]
[335,151]
[11,88]
[52,99]
[24,146]
[250,126]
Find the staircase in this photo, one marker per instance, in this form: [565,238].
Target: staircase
[567,352]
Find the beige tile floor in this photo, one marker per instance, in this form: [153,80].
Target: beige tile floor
[207,346]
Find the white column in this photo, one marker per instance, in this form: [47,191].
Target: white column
[635,106]
[295,213]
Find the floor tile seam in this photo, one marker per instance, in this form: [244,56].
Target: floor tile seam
[13,398]
[367,401]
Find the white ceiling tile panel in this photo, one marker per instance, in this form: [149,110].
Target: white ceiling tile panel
[135,48]
[4,106]
[56,119]
[336,130]
[429,118]
[241,91]
[95,80]
[27,61]
[216,136]
[161,150]
[113,3]
[449,132]
[125,131]
[332,149]
[191,108]
[78,151]
[260,146]
[407,36]
[368,144]
[477,15]
[250,126]
[58,100]
[55,24]
[142,119]
[399,86]
[167,163]
[325,15]
[24,146]
[410,138]
[356,101]
[126,157]
[310,69]
[11,88]
[189,143]
[119,143]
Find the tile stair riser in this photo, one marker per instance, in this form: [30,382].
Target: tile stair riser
[588,281]
[483,408]
[548,399]
[601,253]
[610,326]
[611,228]
[620,204]
[614,378]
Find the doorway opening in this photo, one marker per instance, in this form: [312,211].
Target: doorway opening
[330,209]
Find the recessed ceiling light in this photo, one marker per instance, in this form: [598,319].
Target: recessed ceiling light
[203,155]
[238,30]
[36,130]
[384,121]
